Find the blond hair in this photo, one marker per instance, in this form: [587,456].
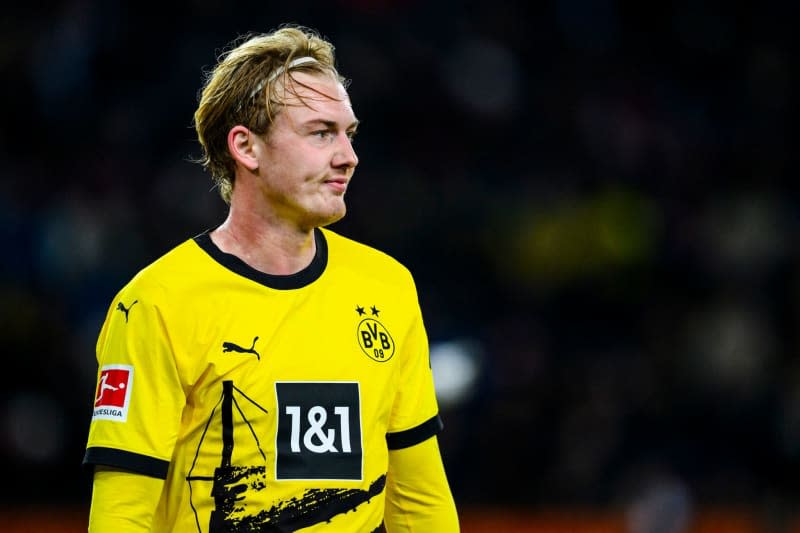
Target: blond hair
[242,89]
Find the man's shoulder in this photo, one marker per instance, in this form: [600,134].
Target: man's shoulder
[344,251]
[171,269]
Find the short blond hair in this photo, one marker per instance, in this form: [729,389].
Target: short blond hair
[242,89]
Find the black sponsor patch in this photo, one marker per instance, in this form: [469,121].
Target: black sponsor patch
[319,431]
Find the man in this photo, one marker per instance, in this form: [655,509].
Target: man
[273,375]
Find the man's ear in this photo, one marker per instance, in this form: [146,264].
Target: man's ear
[240,145]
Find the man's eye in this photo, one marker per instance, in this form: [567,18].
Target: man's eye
[322,134]
[351,135]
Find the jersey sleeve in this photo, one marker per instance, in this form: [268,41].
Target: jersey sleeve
[418,497]
[123,502]
[415,413]
[139,398]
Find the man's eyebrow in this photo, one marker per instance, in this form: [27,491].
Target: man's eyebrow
[332,123]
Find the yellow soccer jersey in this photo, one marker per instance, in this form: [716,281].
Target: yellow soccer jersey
[268,403]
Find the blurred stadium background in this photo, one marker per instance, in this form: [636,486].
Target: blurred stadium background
[595,198]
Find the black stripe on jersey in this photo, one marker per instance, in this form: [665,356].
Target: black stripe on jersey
[227,423]
[293,281]
[141,464]
[410,437]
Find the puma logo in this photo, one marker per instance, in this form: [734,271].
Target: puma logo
[232,347]
[122,308]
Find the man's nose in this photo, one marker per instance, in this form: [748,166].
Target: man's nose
[345,154]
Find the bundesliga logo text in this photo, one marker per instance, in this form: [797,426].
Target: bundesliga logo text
[113,393]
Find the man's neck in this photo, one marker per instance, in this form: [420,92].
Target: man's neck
[269,246]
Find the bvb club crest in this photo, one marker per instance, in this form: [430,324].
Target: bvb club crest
[374,339]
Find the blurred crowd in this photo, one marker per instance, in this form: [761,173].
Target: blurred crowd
[595,197]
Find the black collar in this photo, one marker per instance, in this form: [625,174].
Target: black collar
[292,281]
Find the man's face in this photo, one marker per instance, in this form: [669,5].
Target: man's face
[307,159]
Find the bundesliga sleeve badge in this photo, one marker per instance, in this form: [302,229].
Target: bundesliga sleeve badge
[113,394]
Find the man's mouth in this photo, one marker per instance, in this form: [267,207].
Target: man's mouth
[337,184]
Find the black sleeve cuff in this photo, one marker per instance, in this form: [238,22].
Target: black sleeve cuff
[410,437]
[141,464]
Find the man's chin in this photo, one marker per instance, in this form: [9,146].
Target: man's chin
[332,217]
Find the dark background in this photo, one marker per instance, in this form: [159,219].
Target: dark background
[598,200]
